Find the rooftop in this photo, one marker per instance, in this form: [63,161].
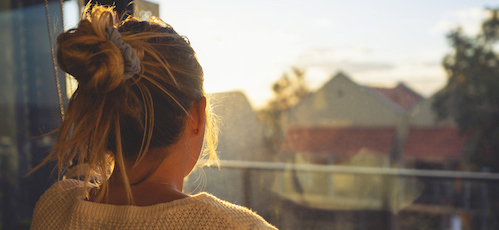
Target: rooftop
[401,95]
[435,143]
[346,141]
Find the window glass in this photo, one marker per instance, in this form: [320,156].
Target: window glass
[29,105]
[333,114]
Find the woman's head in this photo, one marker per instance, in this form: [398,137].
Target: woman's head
[111,117]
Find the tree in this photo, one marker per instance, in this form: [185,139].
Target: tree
[471,96]
[471,99]
[288,91]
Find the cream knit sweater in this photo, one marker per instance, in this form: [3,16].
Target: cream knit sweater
[62,207]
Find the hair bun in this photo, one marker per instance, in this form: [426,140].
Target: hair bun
[94,61]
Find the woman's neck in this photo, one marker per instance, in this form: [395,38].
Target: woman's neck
[150,183]
[143,195]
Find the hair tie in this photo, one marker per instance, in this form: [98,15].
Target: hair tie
[132,62]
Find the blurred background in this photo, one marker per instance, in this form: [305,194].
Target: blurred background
[334,114]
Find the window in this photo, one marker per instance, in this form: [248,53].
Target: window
[351,140]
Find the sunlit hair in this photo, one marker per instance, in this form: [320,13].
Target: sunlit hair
[112,122]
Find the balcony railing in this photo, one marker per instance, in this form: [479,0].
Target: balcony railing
[287,193]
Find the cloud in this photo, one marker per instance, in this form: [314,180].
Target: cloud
[323,22]
[424,77]
[352,60]
[468,19]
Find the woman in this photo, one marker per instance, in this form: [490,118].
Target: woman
[134,129]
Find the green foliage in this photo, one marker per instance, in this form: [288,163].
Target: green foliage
[288,91]
[490,27]
[471,96]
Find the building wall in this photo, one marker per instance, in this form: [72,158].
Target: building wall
[144,9]
[342,102]
[240,132]
[422,115]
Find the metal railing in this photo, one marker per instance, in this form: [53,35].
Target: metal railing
[279,166]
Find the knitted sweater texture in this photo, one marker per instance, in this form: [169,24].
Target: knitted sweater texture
[63,207]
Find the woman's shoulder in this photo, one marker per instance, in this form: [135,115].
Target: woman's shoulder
[54,205]
[62,190]
[65,185]
[237,214]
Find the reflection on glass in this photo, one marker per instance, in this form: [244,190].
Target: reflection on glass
[357,149]
[29,105]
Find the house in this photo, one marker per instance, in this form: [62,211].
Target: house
[344,118]
[366,129]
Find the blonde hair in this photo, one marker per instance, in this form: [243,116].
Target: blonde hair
[109,120]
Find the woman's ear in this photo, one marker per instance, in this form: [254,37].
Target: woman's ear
[198,116]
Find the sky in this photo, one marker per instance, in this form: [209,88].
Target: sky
[248,45]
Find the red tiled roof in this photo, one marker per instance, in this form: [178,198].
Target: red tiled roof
[338,141]
[400,95]
[433,143]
